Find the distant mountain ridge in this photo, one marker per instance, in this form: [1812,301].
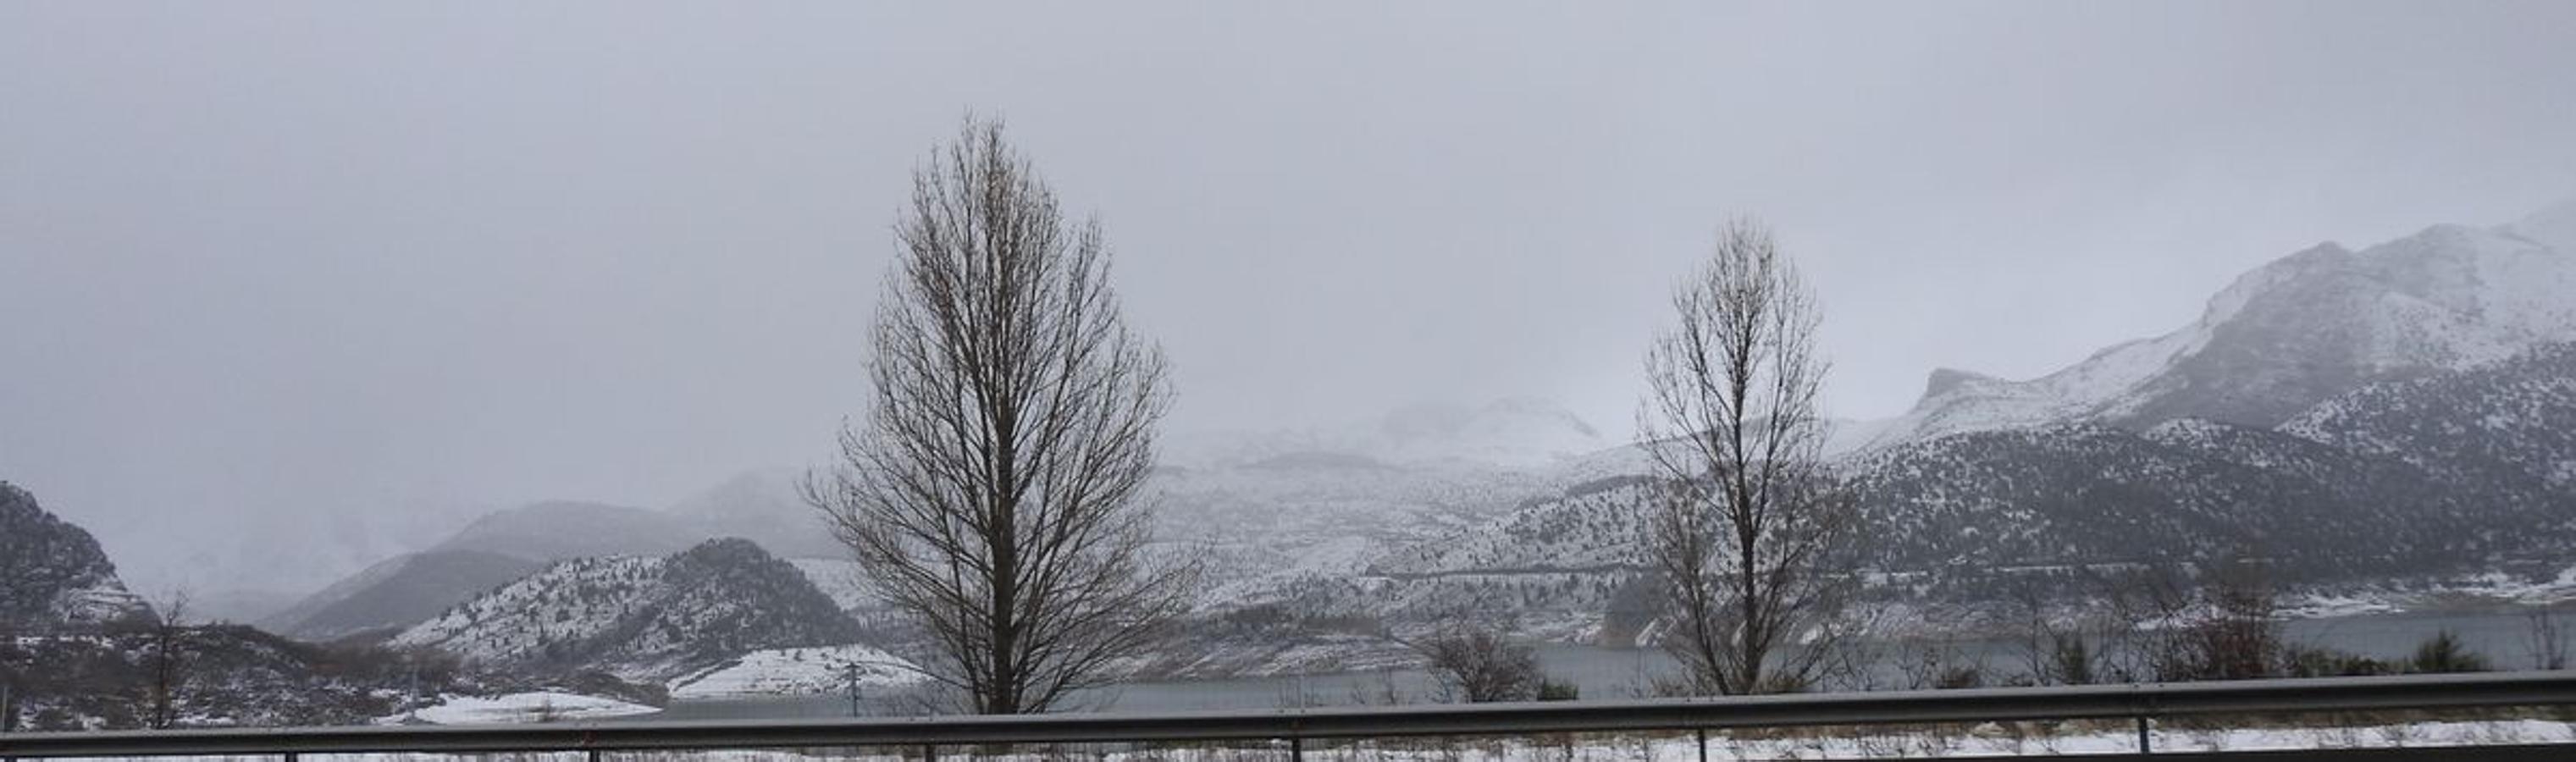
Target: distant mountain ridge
[1510,432]
[399,591]
[2294,333]
[564,529]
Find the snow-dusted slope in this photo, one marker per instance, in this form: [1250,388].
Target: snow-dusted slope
[798,672]
[2293,333]
[642,618]
[2505,432]
[53,573]
[398,593]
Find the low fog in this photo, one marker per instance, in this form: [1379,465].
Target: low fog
[278,277]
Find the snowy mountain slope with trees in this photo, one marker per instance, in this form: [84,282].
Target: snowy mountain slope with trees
[500,547]
[642,618]
[52,573]
[2421,389]
[2503,434]
[2294,333]
[398,592]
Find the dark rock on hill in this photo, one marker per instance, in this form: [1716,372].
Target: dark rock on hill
[53,574]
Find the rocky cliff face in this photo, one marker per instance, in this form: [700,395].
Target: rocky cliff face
[53,574]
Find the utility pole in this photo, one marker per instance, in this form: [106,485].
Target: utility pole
[852,670]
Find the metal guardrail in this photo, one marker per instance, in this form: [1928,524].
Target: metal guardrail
[2140,703]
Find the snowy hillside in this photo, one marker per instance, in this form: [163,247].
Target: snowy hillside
[2294,333]
[1322,513]
[642,618]
[2504,434]
[399,593]
[53,573]
[799,672]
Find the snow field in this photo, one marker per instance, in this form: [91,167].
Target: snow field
[542,706]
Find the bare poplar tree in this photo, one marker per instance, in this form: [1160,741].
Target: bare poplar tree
[1750,533]
[994,494]
[167,673]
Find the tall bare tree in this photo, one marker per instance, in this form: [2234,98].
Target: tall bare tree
[167,671]
[1750,533]
[995,493]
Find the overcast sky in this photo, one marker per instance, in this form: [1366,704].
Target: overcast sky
[262,263]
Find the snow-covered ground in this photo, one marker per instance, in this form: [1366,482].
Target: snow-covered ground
[798,672]
[1981,741]
[2405,596]
[542,706]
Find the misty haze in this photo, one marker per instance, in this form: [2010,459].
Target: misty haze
[595,363]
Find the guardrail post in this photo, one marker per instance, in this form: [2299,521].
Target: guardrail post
[1703,743]
[1296,749]
[2145,746]
[594,755]
[929,753]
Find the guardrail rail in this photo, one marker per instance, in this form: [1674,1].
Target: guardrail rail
[2142,704]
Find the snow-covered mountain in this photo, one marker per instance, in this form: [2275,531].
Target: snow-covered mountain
[399,592]
[2294,333]
[642,618]
[764,507]
[2402,410]
[563,529]
[53,574]
[500,547]
[1512,432]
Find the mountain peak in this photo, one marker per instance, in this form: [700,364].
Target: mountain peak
[1946,380]
[2554,226]
[2296,331]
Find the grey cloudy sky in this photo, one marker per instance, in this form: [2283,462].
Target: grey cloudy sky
[268,263]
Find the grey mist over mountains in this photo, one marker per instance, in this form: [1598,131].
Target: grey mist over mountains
[286,291]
